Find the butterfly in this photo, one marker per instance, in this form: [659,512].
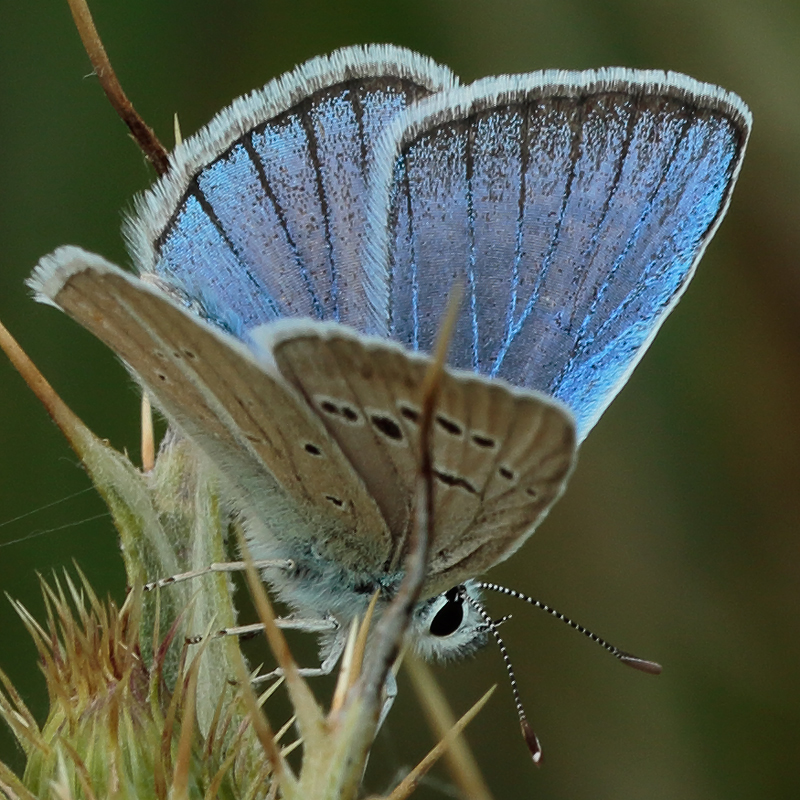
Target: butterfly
[293,265]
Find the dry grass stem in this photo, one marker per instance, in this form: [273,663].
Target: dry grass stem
[459,758]
[347,675]
[310,719]
[148,436]
[410,782]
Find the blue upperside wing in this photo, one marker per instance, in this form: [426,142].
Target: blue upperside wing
[262,213]
[573,207]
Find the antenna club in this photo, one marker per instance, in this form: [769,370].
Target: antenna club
[643,665]
[532,740]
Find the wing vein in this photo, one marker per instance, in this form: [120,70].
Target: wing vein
[641,286]
[208,210]
[280,213]
[313,153]
[578,129]
[469,157]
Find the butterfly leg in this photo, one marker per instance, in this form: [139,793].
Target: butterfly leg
[318,625]
[328,663]
[223,566]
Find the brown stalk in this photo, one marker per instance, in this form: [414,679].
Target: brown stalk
[62,415]
[143,135]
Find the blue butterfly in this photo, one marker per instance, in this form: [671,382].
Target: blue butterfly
[293,265]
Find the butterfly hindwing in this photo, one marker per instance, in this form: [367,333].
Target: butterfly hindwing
[501,455]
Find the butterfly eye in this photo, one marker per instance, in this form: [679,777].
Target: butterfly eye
[449,616]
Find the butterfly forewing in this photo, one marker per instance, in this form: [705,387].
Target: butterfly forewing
[265,209]
[574,207]
[501,456]
[278,460]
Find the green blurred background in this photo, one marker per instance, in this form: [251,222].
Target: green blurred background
[679,535]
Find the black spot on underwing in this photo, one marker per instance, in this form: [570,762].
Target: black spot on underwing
[448,425]
[411,414]
[455,480]
[350,414]
[387,426]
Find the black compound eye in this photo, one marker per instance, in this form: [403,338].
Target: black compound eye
[448,617]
